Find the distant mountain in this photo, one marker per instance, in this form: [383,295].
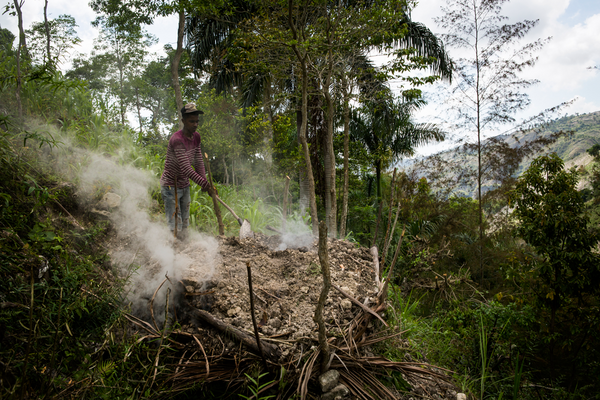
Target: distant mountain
[571,148]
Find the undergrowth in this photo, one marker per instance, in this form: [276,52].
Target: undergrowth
[62,331]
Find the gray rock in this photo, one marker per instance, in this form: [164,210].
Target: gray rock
[346,304]
[461,396]
[337,393]
[112,200]
[329,380]
[275,323]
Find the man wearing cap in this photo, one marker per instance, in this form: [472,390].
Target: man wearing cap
[184,162]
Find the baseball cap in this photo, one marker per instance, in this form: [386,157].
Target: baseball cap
[190,109]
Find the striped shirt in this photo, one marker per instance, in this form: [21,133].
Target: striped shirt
[182,154]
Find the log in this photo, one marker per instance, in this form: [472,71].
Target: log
[270,351]
[375,254]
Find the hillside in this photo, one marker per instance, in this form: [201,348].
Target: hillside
[577,134]
[571,148]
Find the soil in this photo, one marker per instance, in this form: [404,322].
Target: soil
[287,284]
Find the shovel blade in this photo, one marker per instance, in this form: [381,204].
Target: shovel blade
[246,230]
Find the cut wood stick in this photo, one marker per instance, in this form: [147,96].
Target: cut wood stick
[270,351]
[176,212]
[375,254]
[318,316]
[387,231]
[358,303]
[285,201]
[71,218]
[383,293]
[258,344]
[152,303]
[269,227]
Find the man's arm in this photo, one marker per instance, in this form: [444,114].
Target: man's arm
[185,165]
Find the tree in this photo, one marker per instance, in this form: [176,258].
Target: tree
[551,218]
[130,15]
[49,43]
[125,52]
[7,39]
[384,126]
[594,151]
[311,40]
[488,89]
[16,9]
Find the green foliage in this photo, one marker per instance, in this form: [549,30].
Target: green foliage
[256,387]
[550,210]
[63,38]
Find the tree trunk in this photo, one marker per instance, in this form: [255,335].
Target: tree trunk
[139,108]
[302,58]
[478,109]
[175,66]
[226,173]
[304,200]
[268,110]
[389,223]
[233,172]
[309,174]
[47,32]
[121,69]
[344,216]
[330,192]
[20,51]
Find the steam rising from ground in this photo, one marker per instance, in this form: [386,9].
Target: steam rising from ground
[142,241]
[297,234]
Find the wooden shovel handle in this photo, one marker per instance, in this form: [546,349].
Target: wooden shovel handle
[230,210]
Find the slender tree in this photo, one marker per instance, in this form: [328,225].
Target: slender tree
[488,88]
[50,42]
[21,51]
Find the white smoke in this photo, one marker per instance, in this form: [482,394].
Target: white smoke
[142,241]
[296,235]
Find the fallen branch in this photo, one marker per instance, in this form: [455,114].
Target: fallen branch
[270,351]
[203,352]
[269,227]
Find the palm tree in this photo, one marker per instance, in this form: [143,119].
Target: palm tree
[385,127]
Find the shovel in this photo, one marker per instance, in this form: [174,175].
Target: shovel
[245,228]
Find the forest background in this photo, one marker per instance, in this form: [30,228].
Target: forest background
[505,270]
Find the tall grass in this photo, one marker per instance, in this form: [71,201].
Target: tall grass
[244,203]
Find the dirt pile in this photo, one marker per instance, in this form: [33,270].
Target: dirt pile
[286,284]
[208,278]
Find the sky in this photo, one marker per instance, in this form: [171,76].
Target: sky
[564,68]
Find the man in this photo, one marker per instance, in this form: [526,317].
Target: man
[183,152]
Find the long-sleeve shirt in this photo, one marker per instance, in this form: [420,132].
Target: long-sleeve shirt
[182,154]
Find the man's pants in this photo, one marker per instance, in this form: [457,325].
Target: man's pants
[183,196]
